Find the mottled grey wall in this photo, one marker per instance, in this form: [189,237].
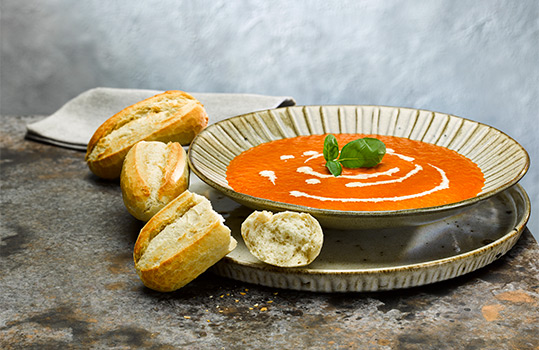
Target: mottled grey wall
[473,58]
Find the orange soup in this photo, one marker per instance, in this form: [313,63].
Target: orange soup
[412,174]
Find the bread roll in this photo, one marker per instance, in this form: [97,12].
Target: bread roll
[153,174]
[286,239]
[180,242]
[172,116]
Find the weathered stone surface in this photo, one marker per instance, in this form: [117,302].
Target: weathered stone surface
[67,281]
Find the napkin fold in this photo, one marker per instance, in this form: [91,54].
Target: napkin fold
[73,125]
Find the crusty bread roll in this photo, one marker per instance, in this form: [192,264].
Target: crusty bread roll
[180,242]
[286,239]
[153,174]
[172,116]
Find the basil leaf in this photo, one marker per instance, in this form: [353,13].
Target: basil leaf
[366,152]
[377,151]
[334,167]
[331,148]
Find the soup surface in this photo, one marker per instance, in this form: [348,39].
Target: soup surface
[412,174]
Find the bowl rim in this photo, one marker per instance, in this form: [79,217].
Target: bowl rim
[349,213]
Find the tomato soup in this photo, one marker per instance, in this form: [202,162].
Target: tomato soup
[412,174]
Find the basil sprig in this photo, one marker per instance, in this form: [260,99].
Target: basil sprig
[361,153]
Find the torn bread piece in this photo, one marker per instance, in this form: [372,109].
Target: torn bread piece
[172,116]
[153,174]
[180,242]
[286,239]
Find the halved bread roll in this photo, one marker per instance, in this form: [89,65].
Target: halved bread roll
[286,239]
[153,174]
[180,242]
[172,116]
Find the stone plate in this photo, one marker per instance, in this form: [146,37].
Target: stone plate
[502,160]
[391,258]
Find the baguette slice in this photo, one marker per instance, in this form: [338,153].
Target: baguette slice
[180,242]
[153,174]
[286,239]
[172,116]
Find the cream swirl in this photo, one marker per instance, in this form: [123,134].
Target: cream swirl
[443,184]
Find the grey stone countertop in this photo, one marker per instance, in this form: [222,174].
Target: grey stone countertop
[67,281]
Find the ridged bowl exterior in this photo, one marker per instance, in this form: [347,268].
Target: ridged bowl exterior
[501,159]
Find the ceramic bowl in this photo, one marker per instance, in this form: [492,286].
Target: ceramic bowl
[501,159]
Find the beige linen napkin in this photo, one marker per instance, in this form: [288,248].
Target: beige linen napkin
[73,124]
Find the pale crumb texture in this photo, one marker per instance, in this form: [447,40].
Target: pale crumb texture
[286,239]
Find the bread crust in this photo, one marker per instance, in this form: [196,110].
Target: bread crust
[189,263]
[153,174]
[204,242]
[172,116]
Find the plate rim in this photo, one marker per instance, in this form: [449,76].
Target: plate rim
[517,230]
[500,246]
